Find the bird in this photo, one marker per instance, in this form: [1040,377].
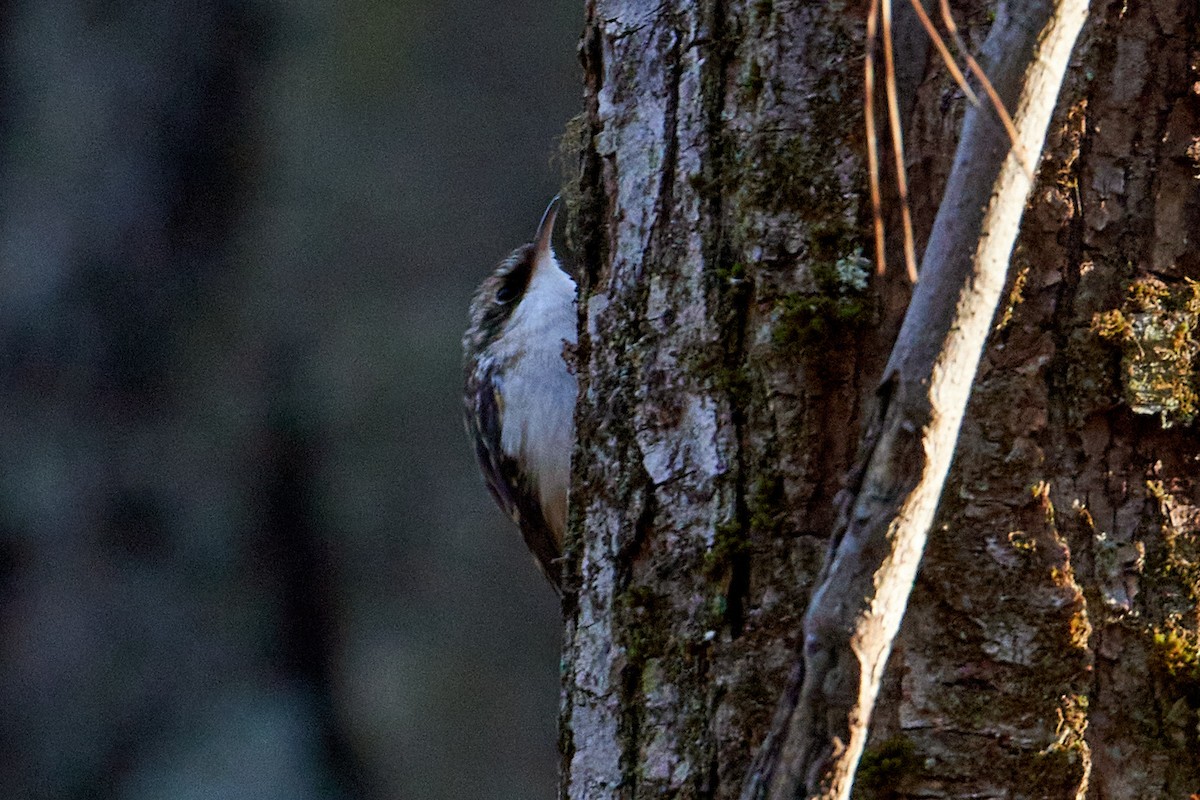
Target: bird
[519,391]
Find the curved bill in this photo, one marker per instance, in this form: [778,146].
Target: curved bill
[545,229]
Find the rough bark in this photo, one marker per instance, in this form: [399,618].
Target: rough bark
[727,350]
[690,467]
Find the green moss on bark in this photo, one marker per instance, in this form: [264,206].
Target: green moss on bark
[1155,329]
[729,543]
[643,634]
[882,769]
[838,304]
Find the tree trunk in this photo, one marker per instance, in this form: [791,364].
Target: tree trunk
[731,337]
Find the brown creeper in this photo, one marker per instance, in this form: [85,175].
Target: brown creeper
[519,396]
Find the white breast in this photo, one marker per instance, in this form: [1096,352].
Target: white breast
[538,427]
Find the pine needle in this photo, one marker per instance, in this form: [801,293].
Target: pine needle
[940,44]
[977,71]
[893,105]
[872,137]
[880,13]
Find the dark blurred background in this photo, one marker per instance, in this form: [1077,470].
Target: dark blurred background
[244,550]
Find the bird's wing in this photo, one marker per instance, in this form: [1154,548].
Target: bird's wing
[516,496]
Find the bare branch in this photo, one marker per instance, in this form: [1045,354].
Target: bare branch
[889,504]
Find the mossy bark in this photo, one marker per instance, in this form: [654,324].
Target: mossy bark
[729,338]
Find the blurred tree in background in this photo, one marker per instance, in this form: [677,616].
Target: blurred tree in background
[244,551]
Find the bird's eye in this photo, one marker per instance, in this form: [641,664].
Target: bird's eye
[515,276]
[506,294]
[513,286]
